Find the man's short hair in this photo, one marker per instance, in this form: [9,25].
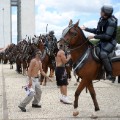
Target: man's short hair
[38,52]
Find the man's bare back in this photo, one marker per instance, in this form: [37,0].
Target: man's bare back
[61,58]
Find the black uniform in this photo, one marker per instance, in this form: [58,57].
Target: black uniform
[106,32]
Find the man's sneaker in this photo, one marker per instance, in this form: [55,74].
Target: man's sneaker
[65,100]
[36,106]
[22,109]
[61,98]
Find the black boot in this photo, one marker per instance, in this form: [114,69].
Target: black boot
[108,69]
[110,77]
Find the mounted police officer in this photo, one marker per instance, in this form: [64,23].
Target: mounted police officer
[106,32]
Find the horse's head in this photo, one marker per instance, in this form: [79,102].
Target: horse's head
[73,35]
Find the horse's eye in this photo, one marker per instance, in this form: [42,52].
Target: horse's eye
[73,33]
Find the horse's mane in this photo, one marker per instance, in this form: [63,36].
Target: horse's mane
[85,36]
[82,33]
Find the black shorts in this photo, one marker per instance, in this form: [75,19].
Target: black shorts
[61,76]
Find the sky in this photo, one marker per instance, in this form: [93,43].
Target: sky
[57,14]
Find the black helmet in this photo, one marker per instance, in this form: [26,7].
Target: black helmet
[51,32]
[107,9]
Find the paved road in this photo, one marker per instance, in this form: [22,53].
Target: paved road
[11,93]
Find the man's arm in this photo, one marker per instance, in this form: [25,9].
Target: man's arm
[91,30]
[32,64]
[63,57]
[43,73]
[108,34]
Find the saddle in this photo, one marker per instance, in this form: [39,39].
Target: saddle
[113,56]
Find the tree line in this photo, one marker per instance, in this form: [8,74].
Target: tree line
[118,35]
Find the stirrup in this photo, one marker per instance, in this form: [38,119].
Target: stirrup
[110,77]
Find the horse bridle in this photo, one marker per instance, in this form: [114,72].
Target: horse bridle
[69,40]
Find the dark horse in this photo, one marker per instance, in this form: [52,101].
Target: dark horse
[79,47]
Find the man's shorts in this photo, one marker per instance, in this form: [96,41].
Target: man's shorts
[61,76]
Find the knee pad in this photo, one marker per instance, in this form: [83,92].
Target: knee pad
[103,55]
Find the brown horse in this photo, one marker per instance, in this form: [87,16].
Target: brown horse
[46,60]
[80,47]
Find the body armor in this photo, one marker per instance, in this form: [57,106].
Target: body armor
[106,32]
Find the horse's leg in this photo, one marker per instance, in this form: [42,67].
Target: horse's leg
[45,80]
[51,72]
[20,67]
[81,86]
[24,67]
[23,71]
[12,65]
[41,79]
[77,81]
[118,79]
[93,95]
[69,74]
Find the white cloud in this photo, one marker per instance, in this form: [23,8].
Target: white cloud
[92,23]
[71,5]
[57,13]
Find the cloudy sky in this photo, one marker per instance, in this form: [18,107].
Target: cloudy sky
[57,13]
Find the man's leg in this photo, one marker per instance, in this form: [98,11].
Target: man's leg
[26,101]
[37,96]
[107,65]
[64,90]
[64,98]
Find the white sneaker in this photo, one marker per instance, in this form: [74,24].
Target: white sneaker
[61,98]
[65,100]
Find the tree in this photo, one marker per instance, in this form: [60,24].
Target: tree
[118,34]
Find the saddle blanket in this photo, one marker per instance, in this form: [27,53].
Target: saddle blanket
[117,52]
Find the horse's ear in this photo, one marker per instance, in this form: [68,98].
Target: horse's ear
[77,24]
[70,23]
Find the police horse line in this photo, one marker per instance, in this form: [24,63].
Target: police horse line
[24,51]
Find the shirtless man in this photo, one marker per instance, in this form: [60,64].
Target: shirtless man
[61,76]
[34,68]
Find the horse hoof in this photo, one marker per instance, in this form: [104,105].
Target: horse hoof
[40,83]
[97,109]
[94,117]
[75,113]
[51,76]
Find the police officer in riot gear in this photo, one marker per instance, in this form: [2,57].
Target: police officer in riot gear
[106,32]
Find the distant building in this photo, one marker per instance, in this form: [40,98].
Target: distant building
[25,20]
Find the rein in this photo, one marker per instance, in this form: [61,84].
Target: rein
[72,49]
